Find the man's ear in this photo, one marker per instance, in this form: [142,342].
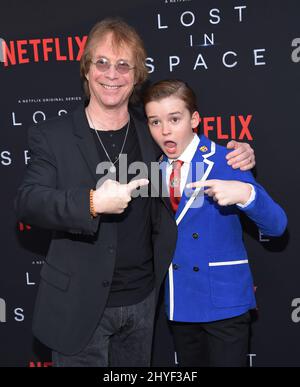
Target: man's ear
[195,119]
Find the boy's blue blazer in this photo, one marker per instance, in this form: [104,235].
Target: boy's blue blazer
[209,278]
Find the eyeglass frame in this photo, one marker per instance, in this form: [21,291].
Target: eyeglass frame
[108,62]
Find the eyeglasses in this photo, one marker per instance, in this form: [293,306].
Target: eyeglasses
[103,64]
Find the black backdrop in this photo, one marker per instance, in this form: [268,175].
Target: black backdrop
[242,58]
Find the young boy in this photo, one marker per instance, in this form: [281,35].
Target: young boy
[209,289]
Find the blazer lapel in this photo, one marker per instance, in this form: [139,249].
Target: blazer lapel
[85,141]
[87,146]
[200,169]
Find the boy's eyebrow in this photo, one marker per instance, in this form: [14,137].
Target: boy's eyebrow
[174,113]
[170,114]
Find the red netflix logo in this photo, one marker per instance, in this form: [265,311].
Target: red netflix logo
[234,128]
[40,364]
[23,51]
[23,227]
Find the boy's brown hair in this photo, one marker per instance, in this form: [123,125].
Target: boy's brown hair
[171,87]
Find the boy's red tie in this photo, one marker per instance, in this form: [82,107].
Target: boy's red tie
[174,184]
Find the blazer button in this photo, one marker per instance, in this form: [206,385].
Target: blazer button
[111,249]
[175,266]
[105,284]
[195,235]
[196,268]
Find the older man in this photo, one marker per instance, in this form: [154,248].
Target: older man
[109,253]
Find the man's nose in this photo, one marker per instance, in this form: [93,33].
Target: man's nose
[111,73]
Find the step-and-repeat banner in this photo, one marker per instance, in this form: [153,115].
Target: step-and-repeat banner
[242,57]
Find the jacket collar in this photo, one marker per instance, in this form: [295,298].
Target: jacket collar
[200,169]
[87,146]
[86,143]
[205,150]
[85,140]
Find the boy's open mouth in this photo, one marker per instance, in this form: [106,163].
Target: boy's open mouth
[170,146]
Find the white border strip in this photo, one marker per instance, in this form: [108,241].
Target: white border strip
[228,263]
[171,291]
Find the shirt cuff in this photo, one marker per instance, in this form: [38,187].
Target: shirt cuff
[250,200]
